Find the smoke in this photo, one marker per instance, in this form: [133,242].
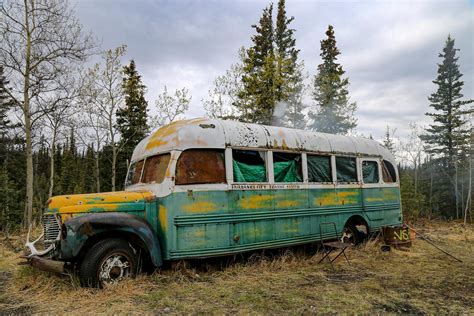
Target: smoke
[279,113]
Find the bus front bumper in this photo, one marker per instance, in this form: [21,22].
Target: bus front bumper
[44,264]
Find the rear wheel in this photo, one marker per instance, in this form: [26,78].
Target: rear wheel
[354,234]
[107,262]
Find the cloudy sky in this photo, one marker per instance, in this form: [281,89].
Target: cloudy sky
[389,48]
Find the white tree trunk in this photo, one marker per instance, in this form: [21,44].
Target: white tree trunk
[51,162]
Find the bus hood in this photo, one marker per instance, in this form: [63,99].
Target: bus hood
[99,202]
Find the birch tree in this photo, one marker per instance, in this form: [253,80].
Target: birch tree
[104,95]
[93,134]
[171,106]
[38,38]
[412,150]
[60,104]
[223,97]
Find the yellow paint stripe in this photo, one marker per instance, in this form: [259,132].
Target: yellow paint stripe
[163,217]
[200,207]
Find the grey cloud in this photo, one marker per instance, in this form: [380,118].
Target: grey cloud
[389,49]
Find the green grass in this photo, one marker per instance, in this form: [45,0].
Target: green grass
[421,280]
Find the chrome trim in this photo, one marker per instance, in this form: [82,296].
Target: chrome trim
[50,235]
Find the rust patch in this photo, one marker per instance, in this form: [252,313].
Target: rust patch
[398,237]
[159,138]
[200,166]
[86,229]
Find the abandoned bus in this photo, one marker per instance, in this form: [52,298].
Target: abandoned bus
[205,187]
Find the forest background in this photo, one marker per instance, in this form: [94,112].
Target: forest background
[71,111]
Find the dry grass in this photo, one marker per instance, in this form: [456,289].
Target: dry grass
[421,280]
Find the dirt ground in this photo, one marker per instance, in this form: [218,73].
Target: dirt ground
[419,281]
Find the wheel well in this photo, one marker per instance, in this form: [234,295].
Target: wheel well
[357,220]
[135,241]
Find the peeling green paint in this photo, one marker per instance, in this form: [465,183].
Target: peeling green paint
[209,223]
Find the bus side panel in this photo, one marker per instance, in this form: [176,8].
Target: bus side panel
[209,223]
[334,205]
[382,206]
[194,221]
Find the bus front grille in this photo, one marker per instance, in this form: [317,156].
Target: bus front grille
[52,229]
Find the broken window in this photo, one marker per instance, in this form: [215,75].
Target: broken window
[249,166]
[155,168]
[370,171]
[319,168]
[388,172]
[346,169]
[134,173]
[287,167]
[199,166]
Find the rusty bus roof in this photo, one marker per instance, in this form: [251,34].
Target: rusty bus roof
[216,133]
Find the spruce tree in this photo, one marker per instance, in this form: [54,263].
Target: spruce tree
[449,135]
[333,112]
[8,193]
[257,98]
[132,118]
[89,164]
[288,77]
[58,157]
[294,116]
[69,173]
[9,211]
[388,140]
[5,105]
[288,73]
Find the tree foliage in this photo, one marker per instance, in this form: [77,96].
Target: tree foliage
[40,40]
[171,106]
[223,99]
[257,98]
[449,134]
[272,87]
[388,139]
[132,118]
[333,111]
[448,137]
[103,95]
[6,103]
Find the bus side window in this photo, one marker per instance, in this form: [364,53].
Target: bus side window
[134,173]
[346,169]
[388,172]
[370,171]
[155,168]
[319,168]
[287,167]
[249,166]
[200,166]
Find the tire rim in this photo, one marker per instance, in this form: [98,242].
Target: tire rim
[114,268]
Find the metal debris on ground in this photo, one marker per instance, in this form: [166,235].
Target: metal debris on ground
[423,237]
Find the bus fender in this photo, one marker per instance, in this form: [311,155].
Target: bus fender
[85,230]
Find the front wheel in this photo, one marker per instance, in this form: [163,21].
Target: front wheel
[107,262]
